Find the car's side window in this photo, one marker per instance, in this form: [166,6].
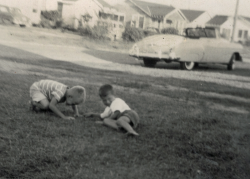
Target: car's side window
[210,33]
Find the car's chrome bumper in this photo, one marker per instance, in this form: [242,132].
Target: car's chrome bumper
[155,56]
[159,55]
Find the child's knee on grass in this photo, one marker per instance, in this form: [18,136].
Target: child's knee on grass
[111,123]
[122,120]
[43,104]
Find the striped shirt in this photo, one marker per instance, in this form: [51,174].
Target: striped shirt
[51,89]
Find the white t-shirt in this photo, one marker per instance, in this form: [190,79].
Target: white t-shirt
[117,105]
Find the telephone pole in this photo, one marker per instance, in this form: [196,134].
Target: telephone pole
[235,20]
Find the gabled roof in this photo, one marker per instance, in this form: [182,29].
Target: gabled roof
[191,15]
[217,20]
[104,4]
[246,18]
[154,10]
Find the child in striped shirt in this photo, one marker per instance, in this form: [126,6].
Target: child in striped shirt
[45,94]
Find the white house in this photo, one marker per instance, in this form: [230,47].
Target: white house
[196,18]
[86,12]
[144,15]
[225,26]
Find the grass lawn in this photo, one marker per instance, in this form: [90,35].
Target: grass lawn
[181,135]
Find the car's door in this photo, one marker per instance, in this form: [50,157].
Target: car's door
[216,49]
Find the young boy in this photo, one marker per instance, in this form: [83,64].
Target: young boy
[45,94]
[117,113]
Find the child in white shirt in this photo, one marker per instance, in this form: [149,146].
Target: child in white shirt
[117,113]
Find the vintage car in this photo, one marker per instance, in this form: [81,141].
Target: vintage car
[198,46]
[13,15]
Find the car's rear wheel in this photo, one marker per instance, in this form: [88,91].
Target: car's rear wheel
[231,64]
[187,65]
[149,62]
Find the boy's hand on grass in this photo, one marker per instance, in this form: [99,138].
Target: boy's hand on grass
[69,118]
[78,115]
[89,115]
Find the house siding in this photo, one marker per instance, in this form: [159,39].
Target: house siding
[226,29]
[240,26]
[200,21]
[178,21]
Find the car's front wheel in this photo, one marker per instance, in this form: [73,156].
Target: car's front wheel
[231,64]
[149,63]
[187,65]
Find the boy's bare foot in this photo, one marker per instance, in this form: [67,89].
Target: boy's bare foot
[132,133]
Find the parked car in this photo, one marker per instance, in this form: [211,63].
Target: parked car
[199,45]
[13,16]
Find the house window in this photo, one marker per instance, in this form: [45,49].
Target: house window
[169,21]
[245,34]
[240,34]
[116,17]
[141,22]
[121,18]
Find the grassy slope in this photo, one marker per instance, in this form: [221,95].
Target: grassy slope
[178,139]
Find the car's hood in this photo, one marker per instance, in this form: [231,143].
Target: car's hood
[159,42]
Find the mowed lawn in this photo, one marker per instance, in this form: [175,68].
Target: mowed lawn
[181,135]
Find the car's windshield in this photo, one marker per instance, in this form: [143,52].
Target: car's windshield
[201,32]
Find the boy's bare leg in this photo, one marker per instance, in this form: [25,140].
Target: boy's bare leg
[124,123]
[110,123]
[43,104]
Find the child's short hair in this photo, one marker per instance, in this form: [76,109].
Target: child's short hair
[81,91]
[105,90]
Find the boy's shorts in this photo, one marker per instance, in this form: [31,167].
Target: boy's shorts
[35,93]
[133,116]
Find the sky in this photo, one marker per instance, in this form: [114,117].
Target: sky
[226,7]
[223,7]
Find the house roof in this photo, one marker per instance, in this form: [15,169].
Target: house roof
[191,15]
[246,18]
[104,3]
[154,10]
[217,20]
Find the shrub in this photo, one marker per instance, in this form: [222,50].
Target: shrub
[149,33]
[170,30]
[51,19]
[97,32]
[132,34]
[50,15]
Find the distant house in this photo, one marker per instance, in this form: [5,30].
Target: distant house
[87,12]
[110,13]
[196,18]
[142,14]
[225,26]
